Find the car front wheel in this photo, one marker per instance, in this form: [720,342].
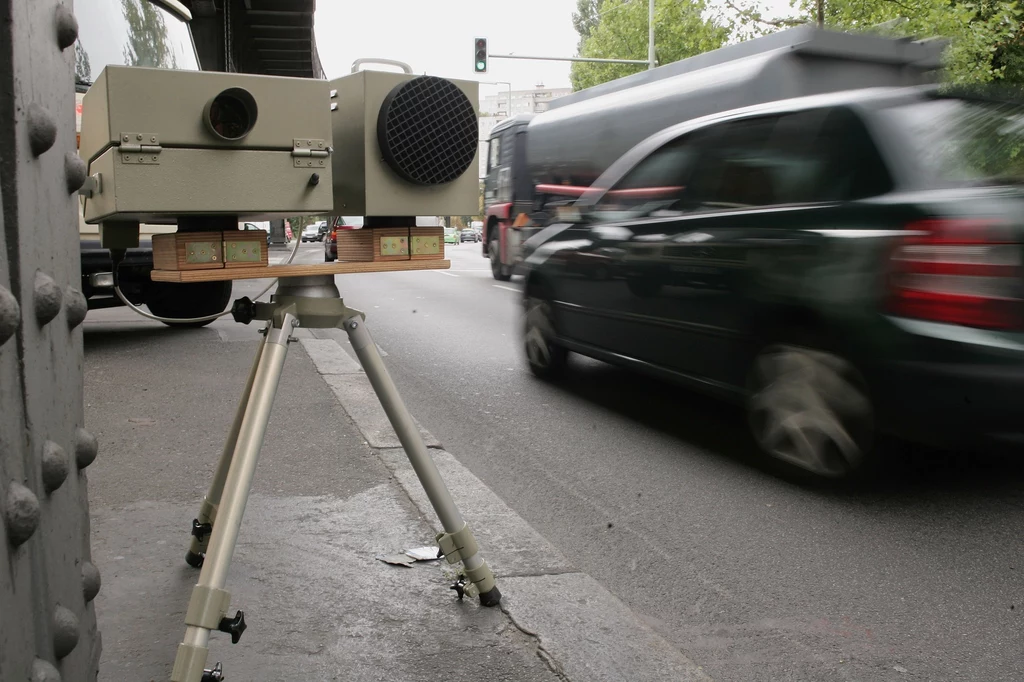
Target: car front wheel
[547,359]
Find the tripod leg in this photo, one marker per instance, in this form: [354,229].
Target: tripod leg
[457,541]
[203,525]
[207,609]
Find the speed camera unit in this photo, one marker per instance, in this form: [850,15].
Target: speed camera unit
[405,145]
[165,144]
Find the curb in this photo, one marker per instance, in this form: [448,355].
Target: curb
[583,631]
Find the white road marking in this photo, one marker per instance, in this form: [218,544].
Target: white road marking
[442,272]
[502,286]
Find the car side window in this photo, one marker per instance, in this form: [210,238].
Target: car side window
[655,183]
[820,155]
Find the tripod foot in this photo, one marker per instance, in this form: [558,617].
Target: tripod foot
[214,675]
[491,597]
[194,559]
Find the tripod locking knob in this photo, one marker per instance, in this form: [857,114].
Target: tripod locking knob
[233,626]
[214,675]
[201,530]
[244,310]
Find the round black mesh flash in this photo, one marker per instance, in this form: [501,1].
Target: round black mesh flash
[427,130]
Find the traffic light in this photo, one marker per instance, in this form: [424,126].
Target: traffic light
[481,55]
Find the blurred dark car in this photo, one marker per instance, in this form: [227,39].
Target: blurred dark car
[844,265]
[469,235]
[338,224]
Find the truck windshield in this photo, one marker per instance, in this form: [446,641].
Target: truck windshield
[964,142]
[129,33]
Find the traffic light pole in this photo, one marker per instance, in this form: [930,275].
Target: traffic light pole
[571,59]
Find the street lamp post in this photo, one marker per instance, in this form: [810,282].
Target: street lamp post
[650,35]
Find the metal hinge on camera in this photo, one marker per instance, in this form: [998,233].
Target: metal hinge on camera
[310,153]
[140,148]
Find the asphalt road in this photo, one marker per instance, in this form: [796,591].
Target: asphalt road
[657,494]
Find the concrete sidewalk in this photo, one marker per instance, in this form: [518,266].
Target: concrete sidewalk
[333,490]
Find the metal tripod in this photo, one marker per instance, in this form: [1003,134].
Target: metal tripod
[311,302]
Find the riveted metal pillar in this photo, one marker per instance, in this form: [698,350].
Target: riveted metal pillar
[47,579]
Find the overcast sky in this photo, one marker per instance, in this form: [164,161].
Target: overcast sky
[440,42]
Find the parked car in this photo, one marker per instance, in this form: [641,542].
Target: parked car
[311,233]
[451,235]
[338,224]
[468,234]
[844,265]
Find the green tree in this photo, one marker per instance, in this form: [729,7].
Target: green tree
[585,19]
[986,36]
[83,70]
[148,44]
[681,30]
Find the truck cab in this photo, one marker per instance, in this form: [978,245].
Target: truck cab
[508,192]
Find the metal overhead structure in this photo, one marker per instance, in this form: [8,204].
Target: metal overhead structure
[272,37]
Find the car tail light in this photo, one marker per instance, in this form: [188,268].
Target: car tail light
[334,234]
[965,272]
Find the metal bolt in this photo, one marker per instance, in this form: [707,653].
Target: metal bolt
[152,139]
[127,158]
[353,325]
[292,339]
[125,138]
[138,136]
[320,145]
[154,158]
[141,159]
[65,631]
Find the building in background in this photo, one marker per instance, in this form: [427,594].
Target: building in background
[495,108]
[487,123]
[523,101]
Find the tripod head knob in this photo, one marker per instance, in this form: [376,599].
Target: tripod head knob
[244,310]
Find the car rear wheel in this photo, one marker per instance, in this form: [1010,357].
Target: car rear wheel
[809,409]
[498,271]
[546,358]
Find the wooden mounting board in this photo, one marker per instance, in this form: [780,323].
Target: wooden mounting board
[271,271]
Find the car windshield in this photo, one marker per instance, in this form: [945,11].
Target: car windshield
[962,142]
[129,33]
[352,220]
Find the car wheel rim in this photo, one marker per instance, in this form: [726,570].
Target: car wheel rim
[539,331]
[807,409]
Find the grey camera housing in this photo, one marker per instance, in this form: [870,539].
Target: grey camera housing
[153,154]
[414,177]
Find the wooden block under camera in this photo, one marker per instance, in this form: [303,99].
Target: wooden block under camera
[426,243]
[188,251]
[245,248]
[373,244]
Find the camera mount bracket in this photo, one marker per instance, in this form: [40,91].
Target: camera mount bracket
[314,302]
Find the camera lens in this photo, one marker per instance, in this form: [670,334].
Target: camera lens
[231,115]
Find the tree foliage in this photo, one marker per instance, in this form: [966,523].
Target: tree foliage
[617,29]
[986,36]
[148,43]
[585,19]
